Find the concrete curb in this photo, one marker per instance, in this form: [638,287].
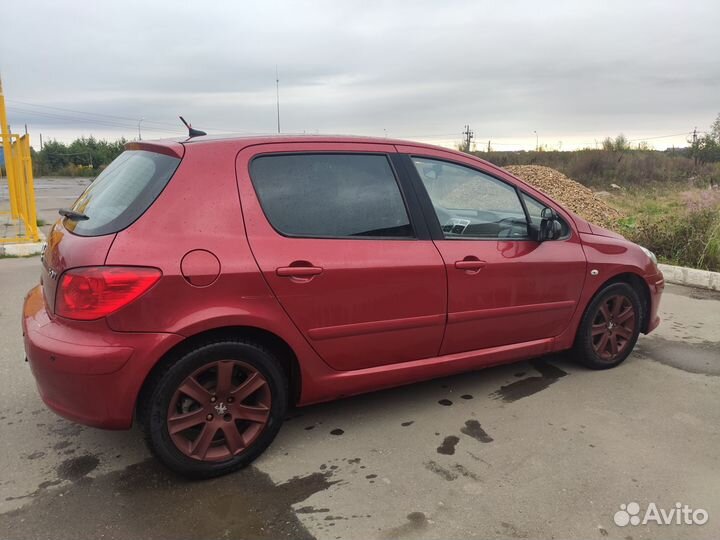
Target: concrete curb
[691,277]
[25,249]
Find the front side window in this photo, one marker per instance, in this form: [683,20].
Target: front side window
[330,195]
[470,204]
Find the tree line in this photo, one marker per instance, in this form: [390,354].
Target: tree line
[617,160]
[86,156]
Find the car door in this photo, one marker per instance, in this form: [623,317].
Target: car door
[331,230]
[503,287]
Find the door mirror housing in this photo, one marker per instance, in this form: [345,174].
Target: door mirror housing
[550,226]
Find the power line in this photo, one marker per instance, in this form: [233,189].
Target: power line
[53,116]
[659,137]
[87,113]
[118,119]
[105,123]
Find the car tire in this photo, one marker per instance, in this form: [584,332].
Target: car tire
[609,328]
[215,409]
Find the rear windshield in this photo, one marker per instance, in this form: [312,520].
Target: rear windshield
[122,192]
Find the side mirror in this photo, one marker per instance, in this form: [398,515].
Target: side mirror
[550,227]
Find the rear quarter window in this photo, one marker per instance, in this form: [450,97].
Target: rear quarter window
[122,192]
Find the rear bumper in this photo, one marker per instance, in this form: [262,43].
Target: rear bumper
[656,284]
[84,371]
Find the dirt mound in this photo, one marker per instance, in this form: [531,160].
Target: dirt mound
[569,193]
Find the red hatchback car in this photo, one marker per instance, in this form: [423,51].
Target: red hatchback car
[204,286]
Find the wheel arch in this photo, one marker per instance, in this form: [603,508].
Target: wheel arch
[274,343]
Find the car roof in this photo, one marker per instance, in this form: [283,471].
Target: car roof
[176,146]
[241,141]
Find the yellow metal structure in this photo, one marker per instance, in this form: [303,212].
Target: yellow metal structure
[19,224]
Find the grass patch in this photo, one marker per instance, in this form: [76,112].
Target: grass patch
[681,226]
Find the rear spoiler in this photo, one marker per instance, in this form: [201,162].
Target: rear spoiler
[169,148]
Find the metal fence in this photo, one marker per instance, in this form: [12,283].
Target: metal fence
[18,215]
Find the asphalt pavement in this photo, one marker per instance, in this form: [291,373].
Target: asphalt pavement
[543,448]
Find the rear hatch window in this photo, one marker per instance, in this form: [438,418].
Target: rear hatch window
[122,192]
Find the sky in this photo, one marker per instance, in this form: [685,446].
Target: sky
[561,74]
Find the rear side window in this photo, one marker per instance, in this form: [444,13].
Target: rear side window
[330,195]
[122,192]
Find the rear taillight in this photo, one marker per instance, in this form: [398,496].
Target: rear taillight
[85,294]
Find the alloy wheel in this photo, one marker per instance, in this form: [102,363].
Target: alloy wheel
[219,410]
[613,327]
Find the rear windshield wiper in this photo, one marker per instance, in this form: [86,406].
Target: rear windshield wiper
[72,214]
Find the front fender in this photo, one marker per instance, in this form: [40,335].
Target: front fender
[609,258]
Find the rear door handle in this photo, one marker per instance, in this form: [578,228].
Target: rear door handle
[298,271]
[470,265]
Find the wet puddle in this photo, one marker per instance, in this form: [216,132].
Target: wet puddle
[146,501]
[528,386]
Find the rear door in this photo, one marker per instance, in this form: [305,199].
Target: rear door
[331,229]
[503,287]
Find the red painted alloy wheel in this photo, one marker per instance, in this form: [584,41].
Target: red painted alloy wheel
[613,327]
[219,410]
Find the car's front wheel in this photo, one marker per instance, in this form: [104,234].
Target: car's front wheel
[610,327]
[216,409]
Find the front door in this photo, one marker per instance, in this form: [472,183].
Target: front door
[330,229]
[503,287]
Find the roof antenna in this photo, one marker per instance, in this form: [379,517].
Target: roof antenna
[192,132]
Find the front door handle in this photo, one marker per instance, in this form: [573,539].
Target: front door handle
[471,264]
[298,271]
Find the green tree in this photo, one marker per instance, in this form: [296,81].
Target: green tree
[86,156]
[618,144]
[715,129]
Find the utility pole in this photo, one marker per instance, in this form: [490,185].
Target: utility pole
[277,96]
[139,133]
[695,147]
[25,129]
[489,149]
[469,135]
[537,141]
[41,141]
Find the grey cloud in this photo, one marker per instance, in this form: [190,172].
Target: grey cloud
[565,68]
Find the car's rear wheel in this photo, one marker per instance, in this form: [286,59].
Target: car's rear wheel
[610,327]
[216,409]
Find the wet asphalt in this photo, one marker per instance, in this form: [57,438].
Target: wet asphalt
[532,449]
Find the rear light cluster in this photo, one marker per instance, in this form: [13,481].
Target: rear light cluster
[90,293]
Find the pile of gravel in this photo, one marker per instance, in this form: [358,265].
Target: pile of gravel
[569,193]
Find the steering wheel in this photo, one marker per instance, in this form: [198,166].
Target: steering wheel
[508,226]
